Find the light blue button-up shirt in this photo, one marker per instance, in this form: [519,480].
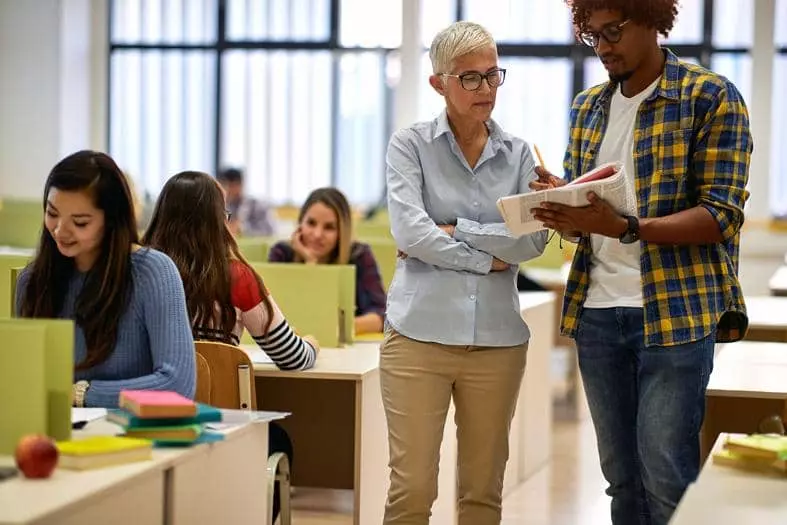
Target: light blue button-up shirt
[444,291]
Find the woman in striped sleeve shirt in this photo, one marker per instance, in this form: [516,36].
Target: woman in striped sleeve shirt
[224,294]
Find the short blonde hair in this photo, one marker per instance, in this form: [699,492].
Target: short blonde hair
[456,40]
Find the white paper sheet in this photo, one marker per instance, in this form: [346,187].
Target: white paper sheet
[614,189]
[87,414]
[257,356]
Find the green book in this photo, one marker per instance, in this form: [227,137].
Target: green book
[124,418]
[171,434]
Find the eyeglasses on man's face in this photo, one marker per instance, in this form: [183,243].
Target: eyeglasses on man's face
[472,80]
[612,33]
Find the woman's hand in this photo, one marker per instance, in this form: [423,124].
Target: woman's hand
[296,241]
[498,265]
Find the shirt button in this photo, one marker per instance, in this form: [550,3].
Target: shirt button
[475,204]
[472,297]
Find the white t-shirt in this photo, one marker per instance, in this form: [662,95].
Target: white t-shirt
[615,278]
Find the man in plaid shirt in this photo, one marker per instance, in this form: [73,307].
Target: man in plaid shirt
[649,295]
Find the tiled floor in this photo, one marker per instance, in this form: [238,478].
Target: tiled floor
[569,491]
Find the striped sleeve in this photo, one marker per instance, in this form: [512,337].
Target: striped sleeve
[287,350]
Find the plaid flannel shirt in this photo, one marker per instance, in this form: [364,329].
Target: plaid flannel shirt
[692,147]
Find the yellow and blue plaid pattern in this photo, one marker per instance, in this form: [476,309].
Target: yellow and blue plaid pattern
[692,146]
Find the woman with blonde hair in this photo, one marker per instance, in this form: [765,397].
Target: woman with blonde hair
[324,236]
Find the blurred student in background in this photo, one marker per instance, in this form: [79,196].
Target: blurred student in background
[248,216]
[324,236]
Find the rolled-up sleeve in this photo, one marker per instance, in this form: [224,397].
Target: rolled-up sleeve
[414,231]
[721,160]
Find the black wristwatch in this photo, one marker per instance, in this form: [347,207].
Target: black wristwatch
[631,235]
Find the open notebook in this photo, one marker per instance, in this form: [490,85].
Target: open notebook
[608,181]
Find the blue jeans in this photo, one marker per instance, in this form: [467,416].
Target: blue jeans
[647,405]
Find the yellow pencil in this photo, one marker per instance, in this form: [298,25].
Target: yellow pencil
[540,158]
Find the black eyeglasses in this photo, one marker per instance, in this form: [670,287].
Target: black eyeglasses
[228,214]
[612,33]
[472,80]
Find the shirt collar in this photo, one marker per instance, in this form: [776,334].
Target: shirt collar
[668,87]
[496,135]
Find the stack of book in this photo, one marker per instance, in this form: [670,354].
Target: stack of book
[765,453]
[164,417]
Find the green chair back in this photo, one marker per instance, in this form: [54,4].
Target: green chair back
[9,267]
[316,299]
[20,222]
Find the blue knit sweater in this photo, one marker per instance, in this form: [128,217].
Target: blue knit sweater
[154,348]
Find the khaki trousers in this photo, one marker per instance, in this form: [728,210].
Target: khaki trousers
[417,380]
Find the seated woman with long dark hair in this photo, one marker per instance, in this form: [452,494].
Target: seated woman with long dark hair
[132,331]
[223,292]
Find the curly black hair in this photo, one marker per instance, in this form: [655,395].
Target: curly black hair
[659,14]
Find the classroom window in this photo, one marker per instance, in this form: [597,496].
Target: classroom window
[523,21]
[162,120]
[778,194]
[276,121]
[278,20]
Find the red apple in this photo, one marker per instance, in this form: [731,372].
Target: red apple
[36,456]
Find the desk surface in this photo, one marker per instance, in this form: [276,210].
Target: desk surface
[350,363]
[24,501]
[778,282]
[533,299]
[724,495]
[766,311]
[750,369]
[548,276]
[12,250]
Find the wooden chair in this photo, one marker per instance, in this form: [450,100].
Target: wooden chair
[203,380]
[230,384]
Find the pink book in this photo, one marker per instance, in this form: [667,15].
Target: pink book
[156,404]
[602,172]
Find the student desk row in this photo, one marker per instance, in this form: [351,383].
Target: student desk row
[223,482]
[767,318]
[339,431]
[778,282]
[747,386]
[728,496]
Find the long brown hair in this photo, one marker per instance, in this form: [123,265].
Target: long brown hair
[336,201]
[189,225]
[104,297]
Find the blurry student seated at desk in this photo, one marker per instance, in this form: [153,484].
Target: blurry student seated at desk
[132,328]
[223,292]
[323,237]
[248,216]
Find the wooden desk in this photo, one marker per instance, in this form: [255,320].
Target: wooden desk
[337,426]
[530,439]
[767,318]
[778,282]
[747,385]
[223,482]
[723,495]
